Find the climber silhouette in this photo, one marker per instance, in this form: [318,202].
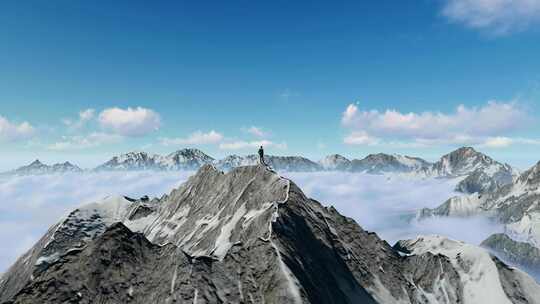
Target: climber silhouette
[261,156]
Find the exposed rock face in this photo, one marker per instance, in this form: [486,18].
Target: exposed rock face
[522,254]
[247,236]
[37,168]
[383,163]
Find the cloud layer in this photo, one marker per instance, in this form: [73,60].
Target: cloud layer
[485,125]
[498,17]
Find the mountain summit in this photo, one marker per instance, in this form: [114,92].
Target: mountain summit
[246,236]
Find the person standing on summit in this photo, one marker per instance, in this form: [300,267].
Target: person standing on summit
[261,156]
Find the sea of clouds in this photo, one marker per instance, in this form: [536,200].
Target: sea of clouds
[29,205]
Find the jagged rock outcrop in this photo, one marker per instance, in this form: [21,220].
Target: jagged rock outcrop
[247,236]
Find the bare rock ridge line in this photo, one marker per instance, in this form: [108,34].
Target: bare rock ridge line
[479,173]
[246,236]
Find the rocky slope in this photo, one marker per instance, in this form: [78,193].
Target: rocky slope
[247,236]
[522,254]
[38,168]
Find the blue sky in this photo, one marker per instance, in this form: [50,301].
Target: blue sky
[82,81]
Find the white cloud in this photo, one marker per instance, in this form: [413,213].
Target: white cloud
[241,145]
[91,140]
[196,138]
[485,125]
[495,16]
[11,132]
[256,131]
[131,121]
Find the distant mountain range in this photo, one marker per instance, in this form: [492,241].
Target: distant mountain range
[247,236]
[480,173]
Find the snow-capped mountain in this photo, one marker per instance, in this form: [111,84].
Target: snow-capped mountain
[246,236]
[185,159]
[37,168]
[480,172]
[385,163]
[335,162]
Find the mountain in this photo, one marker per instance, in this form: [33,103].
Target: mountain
[37,168]
[246,236]
[335,162]
[185,159]
[385,163]
[281,163]
[522,254]
[517,205]
[481,173]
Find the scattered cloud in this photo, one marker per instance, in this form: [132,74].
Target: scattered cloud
[11,131]
[256,131]
[196,138]
[84,117]
[360,138]
[484,125]
[498,17]
[131,121]
[241,145]
[91,140]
